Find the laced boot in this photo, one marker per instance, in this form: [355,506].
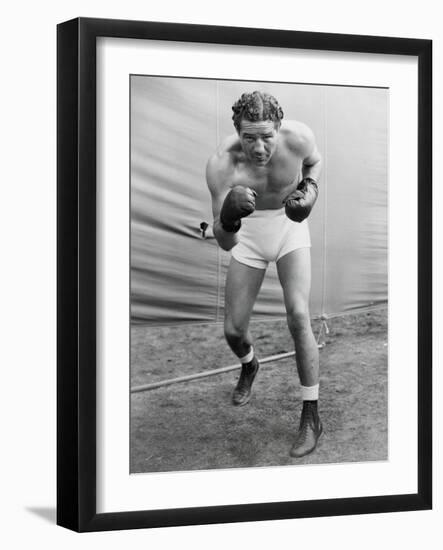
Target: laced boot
[309,431]
[242,392]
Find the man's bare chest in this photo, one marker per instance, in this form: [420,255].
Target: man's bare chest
[273,179]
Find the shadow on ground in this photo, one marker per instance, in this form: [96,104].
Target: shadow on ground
[48,514]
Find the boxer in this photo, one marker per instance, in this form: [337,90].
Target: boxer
[263,182]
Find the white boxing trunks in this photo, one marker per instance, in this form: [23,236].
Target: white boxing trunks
[267,235]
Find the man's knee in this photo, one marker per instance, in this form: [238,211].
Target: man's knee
[233,330]
[298,316]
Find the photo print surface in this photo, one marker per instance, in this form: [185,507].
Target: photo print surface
[224,342]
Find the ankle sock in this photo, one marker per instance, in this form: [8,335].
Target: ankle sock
[310,393]
[248,357]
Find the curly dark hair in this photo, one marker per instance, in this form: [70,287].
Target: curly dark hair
[256,107]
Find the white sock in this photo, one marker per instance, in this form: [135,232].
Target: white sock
[248,357]
[310,393]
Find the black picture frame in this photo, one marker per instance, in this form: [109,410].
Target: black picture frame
[76,273]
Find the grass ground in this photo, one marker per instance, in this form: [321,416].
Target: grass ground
[193,426]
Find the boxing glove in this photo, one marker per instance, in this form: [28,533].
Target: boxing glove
[298,204]
[239,203]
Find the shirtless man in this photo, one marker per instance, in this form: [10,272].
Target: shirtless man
[262,182]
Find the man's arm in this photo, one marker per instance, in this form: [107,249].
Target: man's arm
[301,141]
[312,164]
[216,180]
[298,204]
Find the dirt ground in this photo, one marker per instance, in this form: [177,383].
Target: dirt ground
[193,426]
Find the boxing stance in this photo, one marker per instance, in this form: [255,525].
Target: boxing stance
[263,185]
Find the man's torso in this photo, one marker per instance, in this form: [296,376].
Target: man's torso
[273,182]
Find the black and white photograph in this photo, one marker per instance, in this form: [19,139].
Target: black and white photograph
[258,274]
[222,310]
[244,275]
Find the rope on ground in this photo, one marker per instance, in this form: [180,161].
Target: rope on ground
[162,383]
[195,376]
[153,385]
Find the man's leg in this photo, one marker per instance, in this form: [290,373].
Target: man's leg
[242,285]
[294,271]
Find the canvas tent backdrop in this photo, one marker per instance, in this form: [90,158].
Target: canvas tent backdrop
[177,276]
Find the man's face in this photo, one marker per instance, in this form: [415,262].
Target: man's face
[258,140]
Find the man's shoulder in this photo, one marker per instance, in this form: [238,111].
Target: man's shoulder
[297,135]
[223,161]
[226,154]
[229,147]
